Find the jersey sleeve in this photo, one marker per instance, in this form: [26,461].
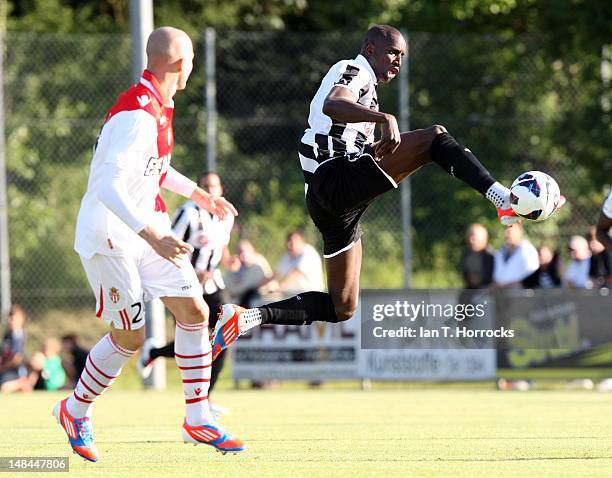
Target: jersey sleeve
[607,206]
[179,184]
[354,78]
[131,136]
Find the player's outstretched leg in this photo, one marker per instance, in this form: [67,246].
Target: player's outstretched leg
[435,144]
[338,305]
[302,309]
[194,359]
[102,368]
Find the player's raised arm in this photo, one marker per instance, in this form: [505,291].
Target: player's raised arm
[341,104]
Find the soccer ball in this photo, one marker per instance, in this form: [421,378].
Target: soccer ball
[534,195]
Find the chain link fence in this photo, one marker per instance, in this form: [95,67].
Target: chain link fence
[501,97]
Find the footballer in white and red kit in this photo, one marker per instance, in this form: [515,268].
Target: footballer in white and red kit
[121,208]
[130,164]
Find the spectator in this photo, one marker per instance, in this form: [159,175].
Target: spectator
[515,261]
[247,273]
[300,269]
[76,358]
[577,273]
[477,259]
[46,371]
[12,357]
[547,276]
[600,270]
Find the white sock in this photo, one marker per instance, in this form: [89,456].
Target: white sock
[192,351]
[102,368]
[499,195]
[248,319]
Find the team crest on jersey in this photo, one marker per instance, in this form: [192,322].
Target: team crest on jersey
[143,100]
[157,166]
[348,75]
[113,293]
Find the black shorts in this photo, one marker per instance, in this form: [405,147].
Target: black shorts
[339,192]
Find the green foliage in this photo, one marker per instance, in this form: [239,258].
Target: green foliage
[518,81]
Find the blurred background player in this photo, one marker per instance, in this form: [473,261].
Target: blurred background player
[130,254]
[345,171]
[209,235]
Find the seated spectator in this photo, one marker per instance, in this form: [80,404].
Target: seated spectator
[46,371]
[300,269]
[547,276]
[246,274]
[516,260]
[600,270]
[76,356]
[12,355]
[577,274]
[477,259]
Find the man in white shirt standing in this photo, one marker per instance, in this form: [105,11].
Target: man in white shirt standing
[209,236]
[300,268]
[577,274]
[516,260]
[130,253]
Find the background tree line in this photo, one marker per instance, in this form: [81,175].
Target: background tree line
[519,82]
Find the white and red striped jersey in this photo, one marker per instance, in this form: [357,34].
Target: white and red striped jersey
[131,162]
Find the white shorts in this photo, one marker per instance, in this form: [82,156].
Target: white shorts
[121,284]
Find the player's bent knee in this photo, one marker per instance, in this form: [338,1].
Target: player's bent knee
[129,339]
[345,312]
[194,311]
[437,129]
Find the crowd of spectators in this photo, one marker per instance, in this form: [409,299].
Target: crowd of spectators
[56,366]
[518,264]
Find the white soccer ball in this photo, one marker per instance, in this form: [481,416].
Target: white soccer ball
[534,195]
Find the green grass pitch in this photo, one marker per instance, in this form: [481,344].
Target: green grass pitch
[390,433]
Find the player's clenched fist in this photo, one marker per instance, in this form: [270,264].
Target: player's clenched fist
[389,138]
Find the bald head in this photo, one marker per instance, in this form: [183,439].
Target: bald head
[167,45]
[170,53]
[379,34]
[384,47]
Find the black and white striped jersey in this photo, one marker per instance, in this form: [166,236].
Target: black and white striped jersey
[208,235]
[327,138]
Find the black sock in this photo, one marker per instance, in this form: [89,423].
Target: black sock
[460,162]
[165,351]
[302,309]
